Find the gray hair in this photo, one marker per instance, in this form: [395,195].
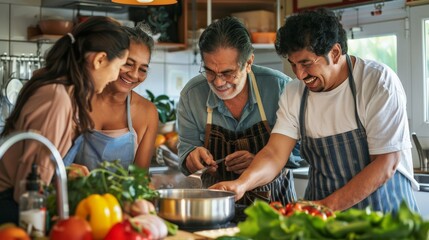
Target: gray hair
[140,34]
[227,32]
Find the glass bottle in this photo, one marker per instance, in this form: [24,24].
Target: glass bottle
[32,206]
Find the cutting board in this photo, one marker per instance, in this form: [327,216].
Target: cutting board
[203,235]
[183,235]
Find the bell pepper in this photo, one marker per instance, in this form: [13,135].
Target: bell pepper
[103,212]
[126,230]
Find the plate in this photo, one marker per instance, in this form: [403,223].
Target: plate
[12,90]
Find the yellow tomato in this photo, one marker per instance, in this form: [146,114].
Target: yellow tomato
[160,139]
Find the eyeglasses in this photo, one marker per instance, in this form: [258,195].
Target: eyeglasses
[211,76]
[142,70]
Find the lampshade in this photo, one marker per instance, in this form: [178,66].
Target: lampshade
[145,2]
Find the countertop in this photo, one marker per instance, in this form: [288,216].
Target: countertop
[300,173]
[204,235]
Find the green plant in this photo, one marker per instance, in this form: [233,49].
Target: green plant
[165,105]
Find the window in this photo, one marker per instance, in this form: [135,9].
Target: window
[386,42]
[419,23]
[426,66]
[378,48]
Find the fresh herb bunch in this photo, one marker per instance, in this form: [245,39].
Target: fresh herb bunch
[126,185]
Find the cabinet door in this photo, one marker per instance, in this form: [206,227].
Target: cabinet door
[223,8]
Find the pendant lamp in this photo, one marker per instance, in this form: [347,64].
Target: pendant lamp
[145,2]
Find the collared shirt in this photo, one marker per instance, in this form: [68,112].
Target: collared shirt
[196,96]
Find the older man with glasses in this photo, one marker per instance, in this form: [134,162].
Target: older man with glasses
[228,112]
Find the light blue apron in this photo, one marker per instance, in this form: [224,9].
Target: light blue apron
[91,148]
[335,160]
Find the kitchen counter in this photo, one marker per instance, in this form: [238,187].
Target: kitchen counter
[165,173]
[300,173]
[204,235]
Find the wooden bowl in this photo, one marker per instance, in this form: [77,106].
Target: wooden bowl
[263,37]
[55,26]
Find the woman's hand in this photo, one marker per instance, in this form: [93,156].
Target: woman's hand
[77,170]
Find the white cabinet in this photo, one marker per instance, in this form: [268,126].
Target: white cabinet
[300,178]
[300,185]
[422,199]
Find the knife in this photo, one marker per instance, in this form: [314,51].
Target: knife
[220,160]
[207,166]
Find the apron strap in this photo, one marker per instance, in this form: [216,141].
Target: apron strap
[129,120]
[258,96]
[259,101]
[208,126]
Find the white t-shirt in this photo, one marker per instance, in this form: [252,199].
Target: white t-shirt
[381,106]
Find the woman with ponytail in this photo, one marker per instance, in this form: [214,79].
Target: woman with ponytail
[56,102]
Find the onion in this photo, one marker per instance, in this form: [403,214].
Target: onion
[153,223]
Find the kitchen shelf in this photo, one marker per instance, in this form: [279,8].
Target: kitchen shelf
[263,46]
[45,38]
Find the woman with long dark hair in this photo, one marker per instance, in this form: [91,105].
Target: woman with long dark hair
[57,100]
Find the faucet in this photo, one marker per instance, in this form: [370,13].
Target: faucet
[423,153]
[60,171]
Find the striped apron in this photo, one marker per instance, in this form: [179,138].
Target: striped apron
[335,160]
[221,142]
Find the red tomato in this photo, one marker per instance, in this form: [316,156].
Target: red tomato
[126,231]
[72,228]
[279,207]
[276,205]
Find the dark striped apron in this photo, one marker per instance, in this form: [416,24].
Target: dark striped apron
[221,142]
[335,160]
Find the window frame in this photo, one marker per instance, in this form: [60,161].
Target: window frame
[420,125]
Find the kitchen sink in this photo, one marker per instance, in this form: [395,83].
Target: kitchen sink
[423,180]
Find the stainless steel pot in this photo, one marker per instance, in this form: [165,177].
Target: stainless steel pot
[195,207]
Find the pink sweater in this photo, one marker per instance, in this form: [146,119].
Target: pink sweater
[48,112]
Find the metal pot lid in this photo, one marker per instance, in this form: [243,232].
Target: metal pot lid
[13,87]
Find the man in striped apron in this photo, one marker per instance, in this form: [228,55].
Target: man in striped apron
[350,115]
[228,112]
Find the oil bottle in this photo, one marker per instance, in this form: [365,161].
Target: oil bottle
[32,205]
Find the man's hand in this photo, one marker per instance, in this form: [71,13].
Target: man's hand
[198,159]
[238,161]
[232,186]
